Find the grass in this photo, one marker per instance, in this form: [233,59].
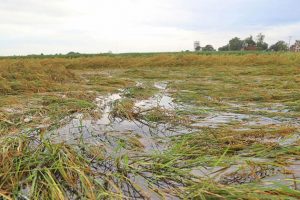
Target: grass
[20,76]
[124,109]
[140,92]
[38,168]
[44,110]
[37,91]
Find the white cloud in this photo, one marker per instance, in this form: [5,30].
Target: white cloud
[54,26]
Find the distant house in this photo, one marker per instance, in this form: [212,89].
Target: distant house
[295,47]
[250,48]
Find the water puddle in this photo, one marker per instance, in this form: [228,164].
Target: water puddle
[272,108]
[269,108]
[109,129]
[290,140]
[149,134]
[289,176]
[161,85]
[220,173]
[162,99]
[159,100]
[241,173]
[216,120]
[141,136]
[262,121]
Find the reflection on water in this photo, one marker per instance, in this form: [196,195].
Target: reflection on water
[153,136]
[108,129]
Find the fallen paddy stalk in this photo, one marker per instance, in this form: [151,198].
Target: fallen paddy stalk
[258,125]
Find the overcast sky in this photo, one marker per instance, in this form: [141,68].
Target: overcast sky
[94,26]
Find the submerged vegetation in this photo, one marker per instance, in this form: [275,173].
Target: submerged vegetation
[143,126]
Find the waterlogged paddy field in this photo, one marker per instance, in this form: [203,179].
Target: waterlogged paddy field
[192,131]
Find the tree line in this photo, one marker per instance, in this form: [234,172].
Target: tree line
[250,43]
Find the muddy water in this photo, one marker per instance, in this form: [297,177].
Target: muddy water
[108,129]
[289,176]
[150,136]
[160,100]
[241,173]
[217,119]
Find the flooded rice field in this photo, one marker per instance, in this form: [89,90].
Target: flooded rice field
[142,136]
[108,126]
[139,134]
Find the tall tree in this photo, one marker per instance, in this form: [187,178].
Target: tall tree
[260,43]
[279,46]
[249,41]
[260,38]
[198,48]
[208,48]
[235,44]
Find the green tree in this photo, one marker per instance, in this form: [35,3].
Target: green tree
[249,41]
[72,53]
[235,44]
[279,46]
[224,48]
[198,48]
[262,46]
[208,48]
[260,43]
[260,38]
